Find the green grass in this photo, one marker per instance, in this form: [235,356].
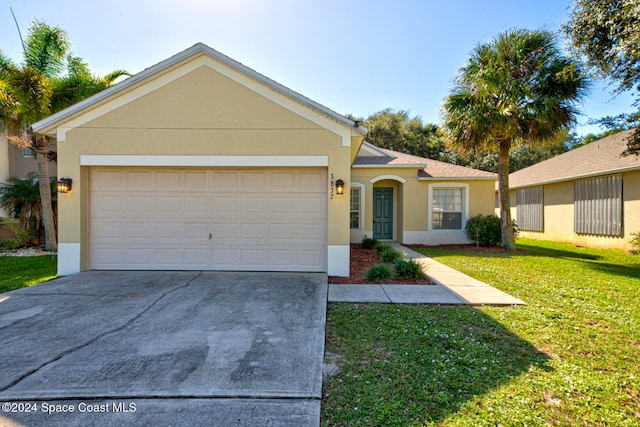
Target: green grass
[19,272]
[571,357]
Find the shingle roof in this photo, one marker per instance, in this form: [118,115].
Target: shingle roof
[48,124]
[429,169]
[599,157]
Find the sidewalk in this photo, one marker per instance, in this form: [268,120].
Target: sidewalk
[451,287]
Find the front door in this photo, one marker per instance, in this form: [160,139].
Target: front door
[383,213]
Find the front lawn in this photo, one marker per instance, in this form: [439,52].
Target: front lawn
[19,272]
[568,358]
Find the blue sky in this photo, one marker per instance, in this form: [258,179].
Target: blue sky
[353,56]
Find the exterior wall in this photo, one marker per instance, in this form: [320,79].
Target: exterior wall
[411,205]
[202,114]
[559,213]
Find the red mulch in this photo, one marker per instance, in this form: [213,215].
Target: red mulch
[361,261]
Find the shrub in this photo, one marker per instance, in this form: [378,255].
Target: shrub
[381,247]
[635,243]
[379,272]
[408,269]
[484,230]
[389,255]
[369,243]
[20,239]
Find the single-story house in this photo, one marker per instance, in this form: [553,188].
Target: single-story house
[199,162]
[589,196]
[14,161]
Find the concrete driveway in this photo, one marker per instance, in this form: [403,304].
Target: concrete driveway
[164,348]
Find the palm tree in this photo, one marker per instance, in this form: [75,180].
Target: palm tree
[516,89]
[21,197]
[37,88]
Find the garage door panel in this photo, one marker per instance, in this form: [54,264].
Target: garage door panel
[196,180]
[140,231]
[261,219]
[108,180]
[109,204]
[169,205]
[169,257]
[195,205]
[312,181]
[169,180]
[225,205]
[197,257]
[137,180]
[282,181]
[170,230]
[224,181]
[253,258]
[196,230]
[139,204]
[224,258]
[139,257]
[254,180]
[107,229]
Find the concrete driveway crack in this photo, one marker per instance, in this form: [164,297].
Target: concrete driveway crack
[102,335]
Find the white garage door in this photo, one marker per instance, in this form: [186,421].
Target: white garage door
[198,219]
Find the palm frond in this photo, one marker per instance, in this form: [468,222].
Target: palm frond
[46,48]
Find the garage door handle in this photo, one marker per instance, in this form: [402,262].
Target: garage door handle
[209,236]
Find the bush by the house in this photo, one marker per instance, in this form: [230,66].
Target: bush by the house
[389,255]
[369,243]
[484,230]
[379,272]
[19,240]
[635,243]
[408,269]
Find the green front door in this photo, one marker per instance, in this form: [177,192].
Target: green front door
[383,213]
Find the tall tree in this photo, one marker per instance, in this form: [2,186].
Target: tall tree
[39,87]
[606,33]
[396,130]
[517,89]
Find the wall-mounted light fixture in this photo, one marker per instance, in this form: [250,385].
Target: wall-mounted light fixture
[339,187]
[64,185]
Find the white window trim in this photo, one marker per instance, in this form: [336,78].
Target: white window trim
[465,208]
[362,188]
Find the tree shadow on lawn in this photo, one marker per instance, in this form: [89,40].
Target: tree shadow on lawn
[403,363]
[630,271]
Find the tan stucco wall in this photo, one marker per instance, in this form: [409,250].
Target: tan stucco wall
[559,214]
[202,113]
[411,200]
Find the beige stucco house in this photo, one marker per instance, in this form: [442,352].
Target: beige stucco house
[589,196]
[202,163]
[14,161]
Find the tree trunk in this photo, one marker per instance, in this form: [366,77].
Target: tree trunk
[45,199]
[503,197]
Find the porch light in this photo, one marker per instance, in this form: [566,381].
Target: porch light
[64,185]
[339,187]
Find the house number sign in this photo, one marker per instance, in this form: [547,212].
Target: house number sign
[332,184]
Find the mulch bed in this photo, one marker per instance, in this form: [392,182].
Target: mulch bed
[361,261]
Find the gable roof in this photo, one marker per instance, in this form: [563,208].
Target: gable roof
[428,169]
[596,158]
[49,124]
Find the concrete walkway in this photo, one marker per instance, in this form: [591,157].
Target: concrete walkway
[452,287]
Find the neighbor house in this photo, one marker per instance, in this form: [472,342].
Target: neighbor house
[589,196]
[15,161]
[202,163]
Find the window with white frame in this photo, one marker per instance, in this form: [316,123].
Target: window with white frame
[447,208]
[355,207]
